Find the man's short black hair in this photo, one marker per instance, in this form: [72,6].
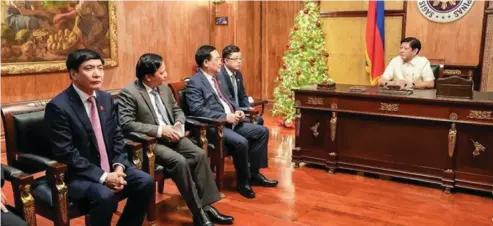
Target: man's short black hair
[413,42]
[148,63]
[203,53]
[228,50]
[77,57]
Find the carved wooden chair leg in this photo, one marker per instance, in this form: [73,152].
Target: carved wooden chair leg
[160,186]
[87,218]
[220,174]
[151,211]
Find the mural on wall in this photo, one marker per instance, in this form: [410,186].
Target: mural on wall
[38,35]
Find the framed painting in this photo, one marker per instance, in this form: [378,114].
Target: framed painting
[38,35]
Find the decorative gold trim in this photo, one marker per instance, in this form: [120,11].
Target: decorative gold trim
[315,101]
[389,107]
[38,103]
[28,204]
[314,129]
[448,171]
[333,106]
[62,196]
[57,66]
[151,159]
[298,122]
[482,115]
[137,158]
[452,72]
[254,119]
[333,126]
[453,116]
[452,137]
[478,148]
[332,154]
[297,103]
[221,131]
[203,139]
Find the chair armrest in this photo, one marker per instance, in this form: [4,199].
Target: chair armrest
[148,143]
[134,151]
[209,121]
[259,102]
[191,123]
[10,173]
[198,132]
[140,137]
[21,186]
[42,163]
[250,111]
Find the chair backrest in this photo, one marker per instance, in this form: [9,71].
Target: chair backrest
[25,130]
[437,67]
[179,92]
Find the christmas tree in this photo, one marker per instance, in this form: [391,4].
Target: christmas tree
[304,62]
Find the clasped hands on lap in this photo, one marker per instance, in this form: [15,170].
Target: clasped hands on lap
[115,181]
[235,118]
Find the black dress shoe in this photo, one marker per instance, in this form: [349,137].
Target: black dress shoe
[218,218]
[261,180]
[246,190]
[201,219]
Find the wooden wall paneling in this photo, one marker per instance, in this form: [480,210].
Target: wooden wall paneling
[458,42]
[248,39]
[277,21]
[486,58]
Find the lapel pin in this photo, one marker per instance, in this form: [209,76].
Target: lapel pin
[101,107]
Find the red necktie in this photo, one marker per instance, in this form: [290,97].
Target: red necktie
[96,126]
[221,94]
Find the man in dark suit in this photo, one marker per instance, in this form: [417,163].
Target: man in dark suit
[147,106]
[8,218]
[246,142]
[84,134]
[231,77]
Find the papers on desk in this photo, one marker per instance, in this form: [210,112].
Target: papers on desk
[357,89]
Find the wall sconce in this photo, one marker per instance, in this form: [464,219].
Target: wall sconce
[216,4]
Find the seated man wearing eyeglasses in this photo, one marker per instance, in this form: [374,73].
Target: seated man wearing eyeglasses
[231,78]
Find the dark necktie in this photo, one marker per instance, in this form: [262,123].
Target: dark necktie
[220,94]
[235,88]
[160,107]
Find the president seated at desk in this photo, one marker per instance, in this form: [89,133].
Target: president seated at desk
[408,70]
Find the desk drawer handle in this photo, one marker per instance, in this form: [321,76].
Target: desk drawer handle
[452,137]
[333,126]
[389,107]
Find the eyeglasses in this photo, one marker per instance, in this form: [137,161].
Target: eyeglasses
[236,59]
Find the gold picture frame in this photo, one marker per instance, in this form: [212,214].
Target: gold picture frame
[27,67]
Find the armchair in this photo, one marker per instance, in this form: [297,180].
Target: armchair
[28,149]
[216,150]
[24,201]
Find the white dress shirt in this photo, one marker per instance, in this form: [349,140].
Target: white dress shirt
[84,97]
[226,107]
[418,69]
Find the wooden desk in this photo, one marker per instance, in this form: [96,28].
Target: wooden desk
[422,137]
